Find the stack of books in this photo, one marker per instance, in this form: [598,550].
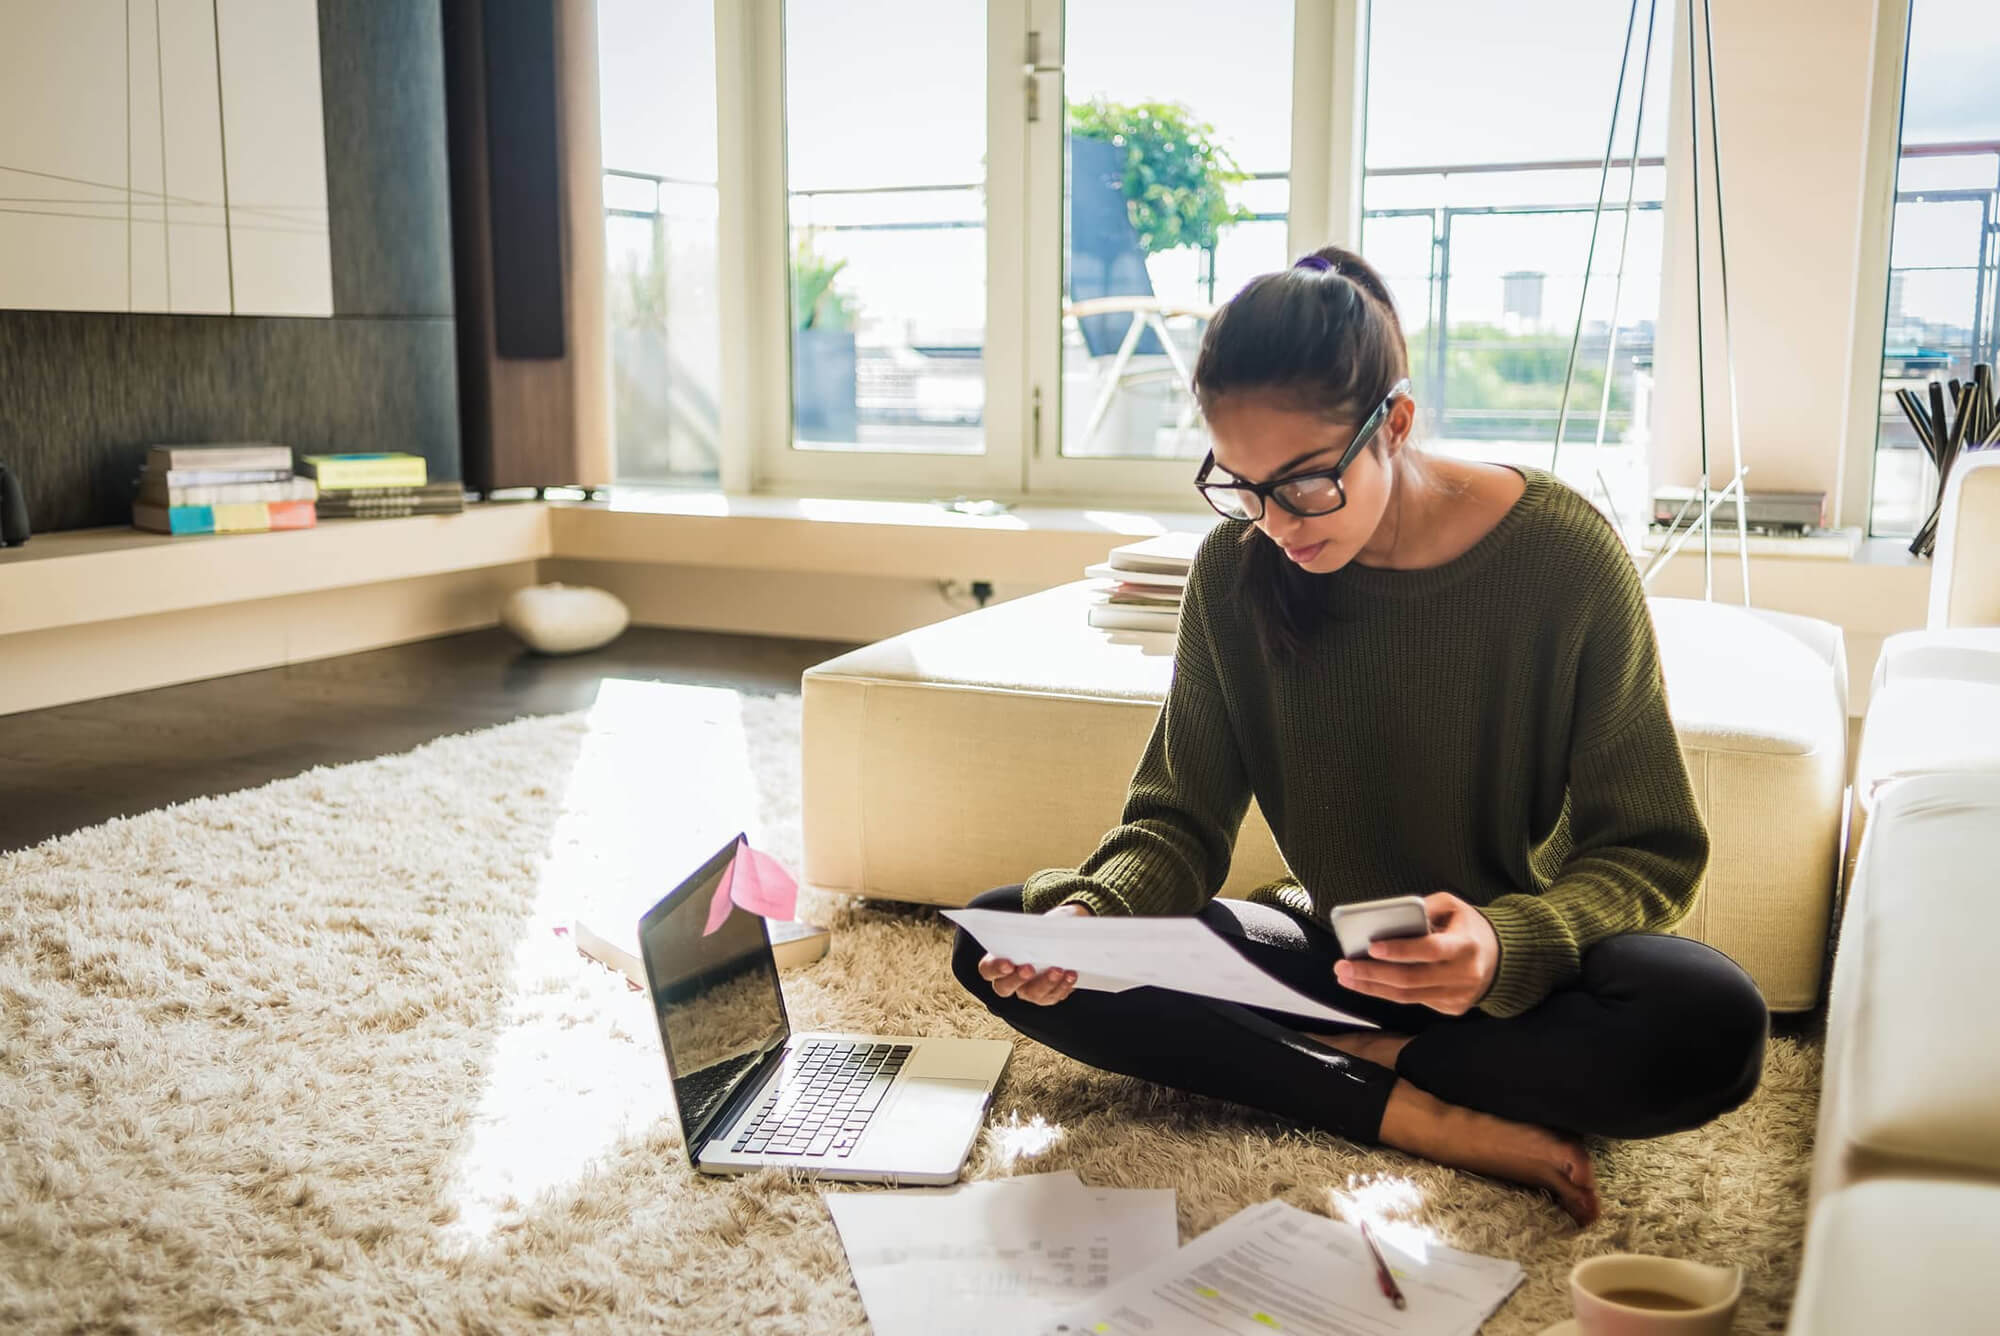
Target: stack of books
[222,489]
[379,487]
[1139,586]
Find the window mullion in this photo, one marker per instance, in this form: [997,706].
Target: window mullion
[751,240]
[1010,285]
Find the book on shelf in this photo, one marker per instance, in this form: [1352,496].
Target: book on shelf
[793,944]
[155,489]
[389,510]
[240,517]
[435,498]
[213,477]
[258,455]
[431,491]
[338,472]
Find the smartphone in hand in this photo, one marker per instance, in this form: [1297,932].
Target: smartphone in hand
[1356,926]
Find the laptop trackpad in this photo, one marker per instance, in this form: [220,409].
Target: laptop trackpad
[932,1121]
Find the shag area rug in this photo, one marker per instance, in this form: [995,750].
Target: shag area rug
[319,1057]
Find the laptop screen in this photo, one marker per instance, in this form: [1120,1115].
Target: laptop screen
[715,992]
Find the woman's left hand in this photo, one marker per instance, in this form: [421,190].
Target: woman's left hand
[1449,970]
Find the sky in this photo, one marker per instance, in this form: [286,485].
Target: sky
[901,83]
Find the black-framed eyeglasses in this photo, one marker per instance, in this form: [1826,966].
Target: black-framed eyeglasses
[1306,495]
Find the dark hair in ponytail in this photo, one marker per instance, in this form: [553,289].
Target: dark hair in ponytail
[1320,338]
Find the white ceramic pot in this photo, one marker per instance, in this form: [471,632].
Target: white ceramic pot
[564,619]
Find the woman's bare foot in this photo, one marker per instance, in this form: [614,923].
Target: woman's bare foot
[1368,1045]
[1424,1125]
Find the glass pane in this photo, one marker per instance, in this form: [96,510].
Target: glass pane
[1943,253]
[1160,92]
[657,94]
[885,123]
[1484,140]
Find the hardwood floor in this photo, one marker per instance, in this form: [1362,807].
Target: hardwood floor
[76,765]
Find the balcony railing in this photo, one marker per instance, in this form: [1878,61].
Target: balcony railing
[908,387]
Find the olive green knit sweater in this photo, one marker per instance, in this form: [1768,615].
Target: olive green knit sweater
[1495,727]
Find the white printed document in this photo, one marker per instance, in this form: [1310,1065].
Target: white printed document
[1005,1256]
[1276,1269]
[1113,954]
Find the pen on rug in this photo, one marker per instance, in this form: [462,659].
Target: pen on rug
[1385,1277]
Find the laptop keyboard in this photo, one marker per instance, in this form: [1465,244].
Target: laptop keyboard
[824,1103]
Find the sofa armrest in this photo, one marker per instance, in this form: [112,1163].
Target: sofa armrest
[1965,576]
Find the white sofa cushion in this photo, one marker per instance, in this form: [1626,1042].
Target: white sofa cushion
[1965,577]
[1926,726]
[1912,1072]
[1901,1256]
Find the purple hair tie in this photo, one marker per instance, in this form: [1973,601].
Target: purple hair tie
[1318,263]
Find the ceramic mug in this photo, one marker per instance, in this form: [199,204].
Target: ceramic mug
[1621,1294]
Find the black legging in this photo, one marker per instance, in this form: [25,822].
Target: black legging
[1657,1035]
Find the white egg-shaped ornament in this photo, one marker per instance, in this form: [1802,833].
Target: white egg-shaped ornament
[564,619]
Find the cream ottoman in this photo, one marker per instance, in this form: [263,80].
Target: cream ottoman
[961,756]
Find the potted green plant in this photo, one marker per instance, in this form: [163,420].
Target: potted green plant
[1178,176]
[823,354]
[1174,180]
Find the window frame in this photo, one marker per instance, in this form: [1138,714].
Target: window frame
[1022,460]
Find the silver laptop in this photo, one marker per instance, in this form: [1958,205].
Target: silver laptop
[751,1094]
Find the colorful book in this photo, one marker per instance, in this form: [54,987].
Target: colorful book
[255,455]
[246,517]
[213,477]
[154,489]
[338,472]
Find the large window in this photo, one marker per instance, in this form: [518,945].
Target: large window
[1485,139]
[1179,134]
[939,247]
[1945,244]
[885,147]
[656,73]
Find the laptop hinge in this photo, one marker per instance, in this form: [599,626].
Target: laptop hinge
[746,1091]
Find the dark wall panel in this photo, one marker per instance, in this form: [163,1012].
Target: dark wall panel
[382,84]
[83,395]
[523,178]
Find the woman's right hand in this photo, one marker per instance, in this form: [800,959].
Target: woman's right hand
[1044,988]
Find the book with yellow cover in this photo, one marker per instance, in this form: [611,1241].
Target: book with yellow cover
[339,472]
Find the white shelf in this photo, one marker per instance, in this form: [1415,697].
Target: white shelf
[81,576]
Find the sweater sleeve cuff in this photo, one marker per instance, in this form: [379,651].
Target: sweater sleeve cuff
[1060,886]
[1537,954]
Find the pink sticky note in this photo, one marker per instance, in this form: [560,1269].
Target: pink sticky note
[718,908]
[754,881]
[762,885]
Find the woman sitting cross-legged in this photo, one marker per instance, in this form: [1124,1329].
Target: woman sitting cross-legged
[1437,678]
